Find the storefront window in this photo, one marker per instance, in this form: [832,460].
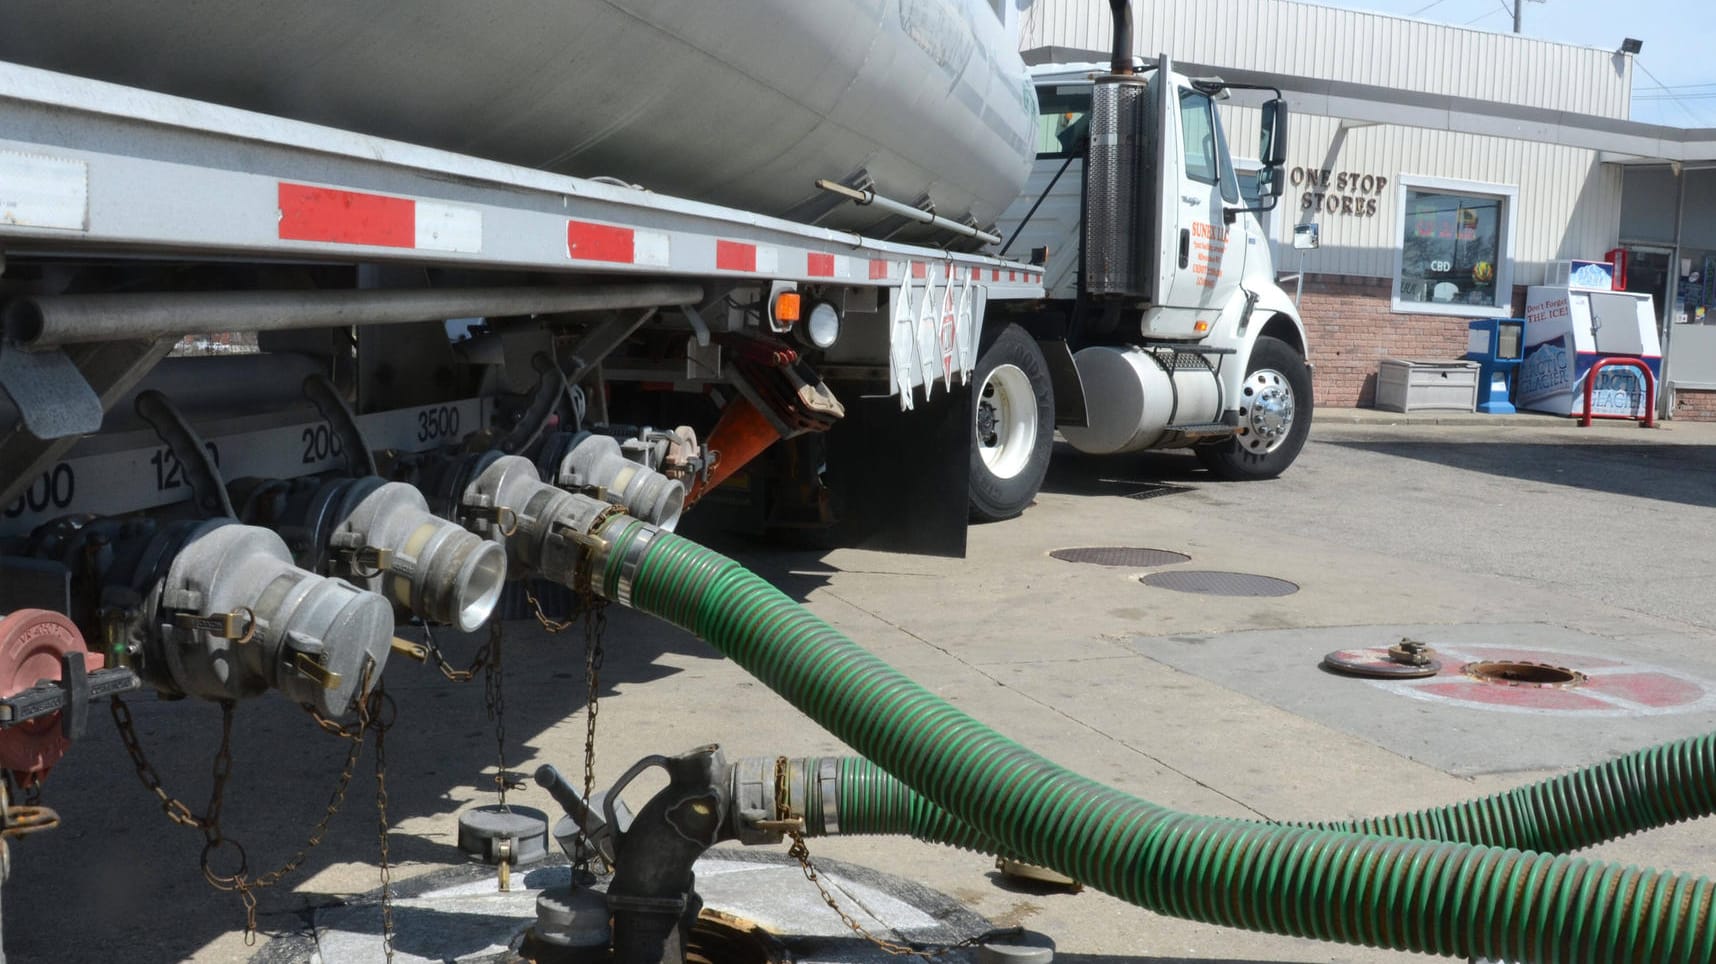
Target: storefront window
[1454,250]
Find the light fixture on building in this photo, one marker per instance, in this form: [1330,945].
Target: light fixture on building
[1632,46]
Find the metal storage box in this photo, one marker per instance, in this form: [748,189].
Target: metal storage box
[1415,385]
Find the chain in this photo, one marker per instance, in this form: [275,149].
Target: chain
[595,627]
[447,669]
[801,853]
[549,623]
[386,869]
[174,808]
[371,709]
[494,699]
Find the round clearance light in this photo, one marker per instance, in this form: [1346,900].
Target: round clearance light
[822,328]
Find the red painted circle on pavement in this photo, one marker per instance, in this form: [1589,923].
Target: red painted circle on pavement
[1613,687]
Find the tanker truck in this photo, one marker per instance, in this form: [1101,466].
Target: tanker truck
[321,319]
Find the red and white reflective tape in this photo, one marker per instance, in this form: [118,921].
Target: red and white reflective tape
[327,215]
[589,241]
[324,215]
[745,257]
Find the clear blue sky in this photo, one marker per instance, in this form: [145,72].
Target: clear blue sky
[1679,42]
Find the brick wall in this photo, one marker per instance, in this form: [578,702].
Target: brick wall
[1694,406]
[1352,330]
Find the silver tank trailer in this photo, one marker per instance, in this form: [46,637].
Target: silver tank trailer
[737,102]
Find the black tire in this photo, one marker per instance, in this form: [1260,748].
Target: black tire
[1008,464]
[1265,448]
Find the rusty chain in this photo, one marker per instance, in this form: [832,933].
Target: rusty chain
[801,853]
[595,627]
[494,701]
[386,869]
[23,819]
[372,710]
[548,622]
[447,669]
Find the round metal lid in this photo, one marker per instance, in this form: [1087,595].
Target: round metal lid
[1126,556]
[1209,583]
[1376,664]
[518,835]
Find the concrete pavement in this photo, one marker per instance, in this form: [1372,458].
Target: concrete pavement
[1530,534]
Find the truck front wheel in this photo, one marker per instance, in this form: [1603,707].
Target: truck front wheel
[1274,416]
[1013,425]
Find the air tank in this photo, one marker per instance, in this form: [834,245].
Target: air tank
[744,103]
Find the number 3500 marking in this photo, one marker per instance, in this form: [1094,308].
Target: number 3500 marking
[439,422]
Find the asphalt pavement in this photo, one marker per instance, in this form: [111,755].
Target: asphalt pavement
[1522,539]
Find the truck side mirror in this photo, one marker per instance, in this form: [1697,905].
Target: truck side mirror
[1272,149]
[1271,182]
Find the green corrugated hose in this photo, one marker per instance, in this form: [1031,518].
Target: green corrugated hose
[1427,896]
[1654,787]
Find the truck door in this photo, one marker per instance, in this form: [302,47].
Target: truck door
[1203,257]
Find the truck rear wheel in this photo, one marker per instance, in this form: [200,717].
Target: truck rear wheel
[1274,416]
[1013,425]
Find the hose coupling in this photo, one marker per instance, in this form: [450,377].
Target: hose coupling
[598,464]
[232,616]
[392,544]
[774,796]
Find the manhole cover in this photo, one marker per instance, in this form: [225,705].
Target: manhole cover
[1220,583]
[1376,664]
[1153,489]
[1127,556]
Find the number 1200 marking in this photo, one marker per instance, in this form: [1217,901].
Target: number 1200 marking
[169,473]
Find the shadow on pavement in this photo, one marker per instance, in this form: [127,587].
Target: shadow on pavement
[117,874]
[1147,473]
[1669,473]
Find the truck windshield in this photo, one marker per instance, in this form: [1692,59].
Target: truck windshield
[1063,120]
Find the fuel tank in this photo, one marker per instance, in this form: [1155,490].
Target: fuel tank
[743,103]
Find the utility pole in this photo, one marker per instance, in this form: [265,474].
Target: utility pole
[1518,14]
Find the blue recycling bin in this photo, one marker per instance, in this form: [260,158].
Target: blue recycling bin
[1496,344]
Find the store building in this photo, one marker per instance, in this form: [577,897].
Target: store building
[1447,170]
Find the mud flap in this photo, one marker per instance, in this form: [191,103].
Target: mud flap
[899,481]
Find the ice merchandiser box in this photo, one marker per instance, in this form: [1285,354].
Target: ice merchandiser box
[1569,327]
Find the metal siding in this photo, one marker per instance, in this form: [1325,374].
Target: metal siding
[1568,202]
[1284,36]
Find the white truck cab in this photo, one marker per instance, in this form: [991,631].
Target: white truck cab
[1164,326]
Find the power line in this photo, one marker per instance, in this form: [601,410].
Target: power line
[1485,16]
[1427,7]
[1672,95]
[1704,95]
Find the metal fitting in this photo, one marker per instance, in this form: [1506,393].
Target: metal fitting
[572,917]
[233,617]
[546,530]
[810,787]
[599,463]
[433,567]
